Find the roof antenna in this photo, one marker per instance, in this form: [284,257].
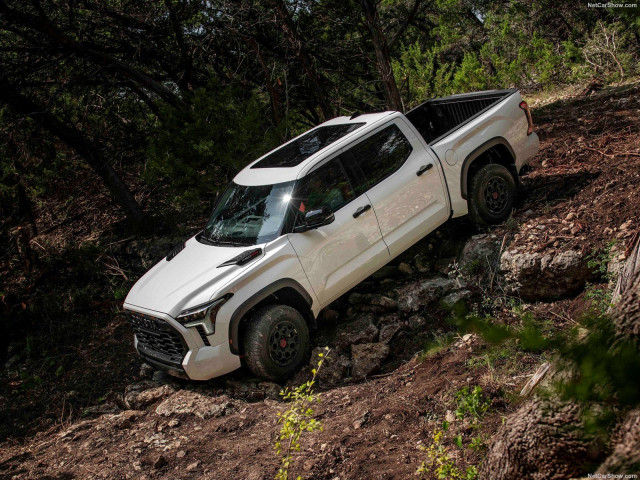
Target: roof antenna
[356,114]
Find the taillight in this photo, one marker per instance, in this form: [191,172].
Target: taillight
[527,112]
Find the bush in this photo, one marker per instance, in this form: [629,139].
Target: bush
[198,149]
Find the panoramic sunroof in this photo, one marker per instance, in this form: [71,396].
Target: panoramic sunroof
[299,150]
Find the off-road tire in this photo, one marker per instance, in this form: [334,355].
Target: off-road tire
[276,342]
[492,194]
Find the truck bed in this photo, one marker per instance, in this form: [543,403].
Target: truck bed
[439,117]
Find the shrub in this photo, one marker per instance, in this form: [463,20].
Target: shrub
[296,420]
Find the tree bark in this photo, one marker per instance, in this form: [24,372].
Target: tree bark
[273,91]
[315,81]
[383,60]
[626,296]
[76,140]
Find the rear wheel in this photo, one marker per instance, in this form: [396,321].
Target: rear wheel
[492,194]
[276,342]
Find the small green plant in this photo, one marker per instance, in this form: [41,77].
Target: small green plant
[512,224]
[600,298]
[474,267]
[120,292]
[598,260]
[471,403]
[296,420]
[439,462]
[478,443]
[435,346]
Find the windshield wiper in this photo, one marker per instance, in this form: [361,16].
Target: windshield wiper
[217,242]
[233,244]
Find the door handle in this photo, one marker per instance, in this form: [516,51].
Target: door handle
[424,168]
[361,210]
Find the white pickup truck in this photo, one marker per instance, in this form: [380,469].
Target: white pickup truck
[309,220]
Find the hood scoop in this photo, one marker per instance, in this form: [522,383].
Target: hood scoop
[244,257]
[175,251]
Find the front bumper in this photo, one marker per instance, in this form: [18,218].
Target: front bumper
[166,344]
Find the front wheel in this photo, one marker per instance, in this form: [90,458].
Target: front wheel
[492,194]
[276,342]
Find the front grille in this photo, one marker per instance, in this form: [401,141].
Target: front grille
[157,339]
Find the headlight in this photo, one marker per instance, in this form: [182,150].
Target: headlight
[204,315]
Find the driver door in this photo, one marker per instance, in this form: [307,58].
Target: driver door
[337,256]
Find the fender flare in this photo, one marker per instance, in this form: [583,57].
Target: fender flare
[255,299]
[475,154]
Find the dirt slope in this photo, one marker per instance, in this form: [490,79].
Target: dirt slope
[583,190]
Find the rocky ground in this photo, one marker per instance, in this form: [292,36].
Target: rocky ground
[397,361]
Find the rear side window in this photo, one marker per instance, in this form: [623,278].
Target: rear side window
[377,157]
[327,186]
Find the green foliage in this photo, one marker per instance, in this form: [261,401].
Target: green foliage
[200,147]
[478,443]
[470,75]
[471,403]
[435,346]
[598,260]
[296,420]
[421,75]
[600,298]
[609,51]
[606,367]
[439,462]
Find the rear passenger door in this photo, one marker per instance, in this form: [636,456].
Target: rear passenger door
[403,182]
[337,256]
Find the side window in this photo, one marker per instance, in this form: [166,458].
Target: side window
[378,156]
[327,186]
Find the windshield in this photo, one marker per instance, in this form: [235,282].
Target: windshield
[248,215]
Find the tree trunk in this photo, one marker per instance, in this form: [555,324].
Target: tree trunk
[383,60]
[273,91]
[315,81]
[626,296]
[76,140]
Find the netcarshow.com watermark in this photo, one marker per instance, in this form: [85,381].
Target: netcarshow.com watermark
[612,5]
[612,475]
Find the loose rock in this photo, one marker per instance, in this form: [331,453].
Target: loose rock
[419,294]
[142,399]
[360,331]
[545,275]
[186,402]
[367,358]
[334,367]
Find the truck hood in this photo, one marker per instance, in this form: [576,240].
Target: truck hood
[191,278]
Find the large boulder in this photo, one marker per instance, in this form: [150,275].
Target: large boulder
[361,330]
[542,440]
[545,275]
[415,295]
[335,366]
[367,358]
[480,256]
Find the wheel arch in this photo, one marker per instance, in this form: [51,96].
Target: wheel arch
[285,291]
[496,150]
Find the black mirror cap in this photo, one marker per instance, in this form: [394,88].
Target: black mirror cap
[315,218]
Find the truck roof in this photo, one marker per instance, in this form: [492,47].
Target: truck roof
[294,158]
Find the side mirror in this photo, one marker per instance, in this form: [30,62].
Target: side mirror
[314,219]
